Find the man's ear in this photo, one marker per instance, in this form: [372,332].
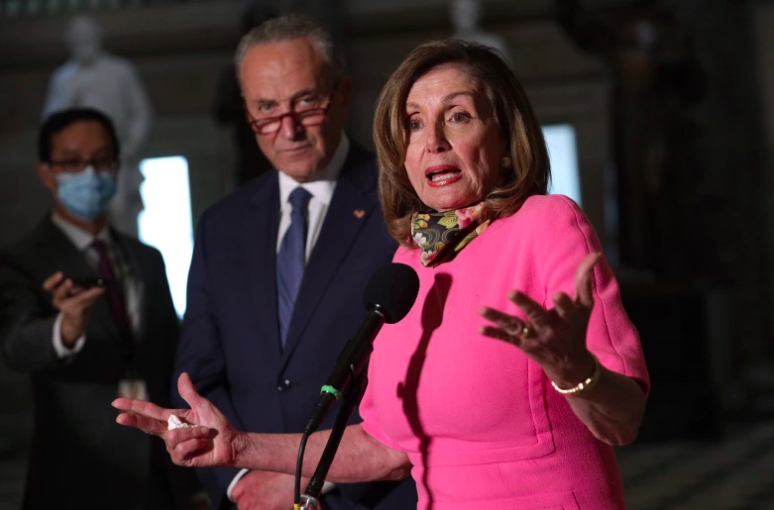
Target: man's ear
[47,176]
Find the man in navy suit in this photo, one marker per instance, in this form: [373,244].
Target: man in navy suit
[279,267]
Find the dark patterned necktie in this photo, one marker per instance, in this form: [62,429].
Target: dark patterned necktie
[115,293]
[291,259]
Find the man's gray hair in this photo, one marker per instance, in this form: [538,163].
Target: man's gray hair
[287,28]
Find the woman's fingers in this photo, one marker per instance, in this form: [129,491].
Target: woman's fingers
[188,391]
[184,443]
[510,324]
[584,278]
[184,453]
[563,304]
[534,312]
[499,334]
[144,423]
[144,408]
[175,437]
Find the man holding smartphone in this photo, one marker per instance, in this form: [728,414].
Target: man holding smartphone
[87,312]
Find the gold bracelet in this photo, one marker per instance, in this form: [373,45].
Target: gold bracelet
[585,384]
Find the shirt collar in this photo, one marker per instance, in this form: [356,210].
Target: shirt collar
[79,237]
[325,180]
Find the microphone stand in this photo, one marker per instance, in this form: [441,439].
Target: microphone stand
[350,400]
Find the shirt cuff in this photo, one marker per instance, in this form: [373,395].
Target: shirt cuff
[234,482]
[61,349]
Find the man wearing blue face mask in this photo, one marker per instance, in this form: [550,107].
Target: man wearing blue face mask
[86,311]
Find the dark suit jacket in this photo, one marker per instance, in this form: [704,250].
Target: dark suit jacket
[81,458]
[230,343]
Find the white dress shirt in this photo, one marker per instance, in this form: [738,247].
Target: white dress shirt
[131,284]
[321,188]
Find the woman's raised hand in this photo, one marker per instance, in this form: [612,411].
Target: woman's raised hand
[555,338]
[209,442]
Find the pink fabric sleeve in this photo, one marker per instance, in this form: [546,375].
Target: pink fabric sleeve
[568,239]
[371,423]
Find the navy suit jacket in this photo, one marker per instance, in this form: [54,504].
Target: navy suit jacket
[230,343]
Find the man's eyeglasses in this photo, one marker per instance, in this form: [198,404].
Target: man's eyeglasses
[100,163]
[305,115]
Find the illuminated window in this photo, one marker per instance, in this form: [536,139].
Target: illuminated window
[560,139]
[166,223]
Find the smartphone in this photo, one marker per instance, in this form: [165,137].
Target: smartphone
[89,282]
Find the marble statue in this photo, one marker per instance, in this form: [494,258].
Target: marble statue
[465,16]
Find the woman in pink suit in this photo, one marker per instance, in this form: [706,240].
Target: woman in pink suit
[520,410]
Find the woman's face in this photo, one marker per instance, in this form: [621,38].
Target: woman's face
[454,145]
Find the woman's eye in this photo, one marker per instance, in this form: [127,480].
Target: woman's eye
[459,117]
[414,124]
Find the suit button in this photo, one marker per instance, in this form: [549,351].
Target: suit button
[280,388]
[286,384]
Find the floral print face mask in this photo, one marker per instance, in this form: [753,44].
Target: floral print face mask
[441,236]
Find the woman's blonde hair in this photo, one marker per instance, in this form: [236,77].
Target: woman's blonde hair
[526,148]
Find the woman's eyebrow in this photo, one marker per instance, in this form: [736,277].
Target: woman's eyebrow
[447,98]
[454,95]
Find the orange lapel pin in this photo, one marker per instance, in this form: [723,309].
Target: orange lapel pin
[359,213]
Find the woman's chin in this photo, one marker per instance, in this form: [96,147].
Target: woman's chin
[451,203]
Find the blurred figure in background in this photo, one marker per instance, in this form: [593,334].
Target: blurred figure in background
[86,311]
[96,79]
[465,17]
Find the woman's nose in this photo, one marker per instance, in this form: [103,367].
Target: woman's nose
[436,139]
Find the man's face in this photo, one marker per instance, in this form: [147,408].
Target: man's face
[291,76]
[82,143]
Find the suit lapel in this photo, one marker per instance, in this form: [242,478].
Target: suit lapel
[347,214]
[261,226]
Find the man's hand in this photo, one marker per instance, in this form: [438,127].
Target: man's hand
[74,303]
[264,490]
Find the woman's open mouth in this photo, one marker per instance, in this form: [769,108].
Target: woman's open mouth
[442,175]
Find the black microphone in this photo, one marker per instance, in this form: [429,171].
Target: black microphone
[388,297]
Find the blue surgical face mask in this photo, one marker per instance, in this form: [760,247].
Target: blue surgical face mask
[87,193]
